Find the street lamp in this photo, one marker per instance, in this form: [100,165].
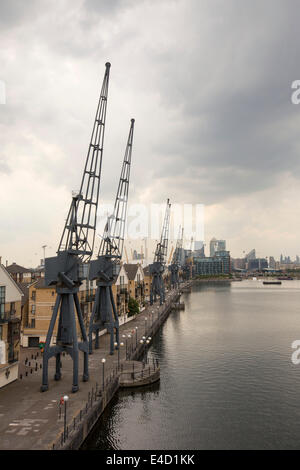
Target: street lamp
[146,324]
[127,349]
[136,328]
[120,346]
[146,350]
[66,398]
[103,362]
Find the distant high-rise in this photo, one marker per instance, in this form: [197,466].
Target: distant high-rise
[212,247]
[251,255]
[272,262]
[216,245]
[221,245]
[198,245]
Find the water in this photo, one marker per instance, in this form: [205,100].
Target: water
[227,379]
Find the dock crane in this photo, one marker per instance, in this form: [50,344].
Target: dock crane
[157,268]
[69,268]
[105,269]
[175,265]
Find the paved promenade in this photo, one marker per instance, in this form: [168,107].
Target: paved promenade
[30,419]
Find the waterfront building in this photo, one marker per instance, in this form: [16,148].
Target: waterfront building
[225,257]
[147,283]
[257,264]
[209,266]
[135,274]
[10,320]
[41,300]
[213,265]
[37,316]
[120,291]
[238,263]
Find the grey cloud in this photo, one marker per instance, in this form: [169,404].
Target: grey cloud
[209,83]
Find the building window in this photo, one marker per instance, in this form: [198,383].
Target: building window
[33,295]
[33,309]
[122,280]
[2,300]
[12,308]
[1,332]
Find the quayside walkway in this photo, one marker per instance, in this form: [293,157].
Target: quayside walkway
[32,420]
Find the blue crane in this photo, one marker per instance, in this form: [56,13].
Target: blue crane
[105,269]
[69,268]
[157,268]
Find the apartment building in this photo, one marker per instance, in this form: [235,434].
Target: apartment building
[41,300]
[120,291]
[147,283]
[135,274]
[10,320]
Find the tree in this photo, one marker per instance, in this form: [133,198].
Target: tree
[133,307]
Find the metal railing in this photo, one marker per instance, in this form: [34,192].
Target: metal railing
[110,383]
[137,375]
[95,396]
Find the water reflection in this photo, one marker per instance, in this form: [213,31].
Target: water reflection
[227,380]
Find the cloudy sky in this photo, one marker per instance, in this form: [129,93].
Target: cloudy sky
[209,84]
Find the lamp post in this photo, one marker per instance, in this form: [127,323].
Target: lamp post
[127,353]
[125,339]
[66,398]
[136,328]
[120,346]
[103,363]
[146,349]
[146,324]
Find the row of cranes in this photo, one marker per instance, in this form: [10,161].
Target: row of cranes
[73,264]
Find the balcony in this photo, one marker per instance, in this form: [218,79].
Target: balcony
[4,317]
[7,317]
[123,290]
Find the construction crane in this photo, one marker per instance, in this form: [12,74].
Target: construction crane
[175,265]
[69,268]
[105,269]
[157,268]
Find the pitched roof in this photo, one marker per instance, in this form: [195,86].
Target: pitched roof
[131,270]
[9,277]
[16,268]
[40,284]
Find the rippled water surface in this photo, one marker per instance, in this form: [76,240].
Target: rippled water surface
[227,380]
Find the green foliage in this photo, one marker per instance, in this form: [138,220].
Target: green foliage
[133,307]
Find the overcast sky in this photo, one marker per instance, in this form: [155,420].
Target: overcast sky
[209,84]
